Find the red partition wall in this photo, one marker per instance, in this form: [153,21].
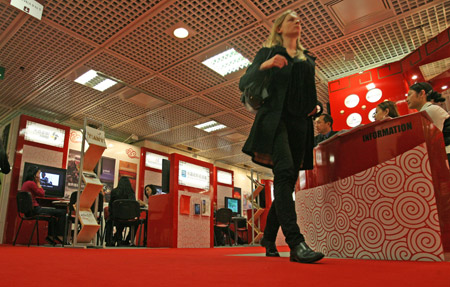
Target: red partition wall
[221,189]
[28,151]
[173,220]
[392,79]
[379,191]
[148,175]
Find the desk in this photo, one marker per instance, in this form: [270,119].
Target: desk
[235,220]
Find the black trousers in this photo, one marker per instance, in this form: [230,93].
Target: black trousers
[288,153]
[55,227]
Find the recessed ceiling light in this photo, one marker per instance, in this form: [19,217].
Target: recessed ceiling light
[227,62]
[210,126]
[181,33]
[93,80]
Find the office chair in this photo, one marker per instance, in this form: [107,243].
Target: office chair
[126,214]
[25,212]
[223,221]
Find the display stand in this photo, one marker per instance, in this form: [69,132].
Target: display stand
[254,221]
[89,159]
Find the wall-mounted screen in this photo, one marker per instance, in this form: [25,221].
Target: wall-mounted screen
[52,179]
[154,160]
[224,177]
[43,134]
[193,175]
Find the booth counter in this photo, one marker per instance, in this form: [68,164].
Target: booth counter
[379,191]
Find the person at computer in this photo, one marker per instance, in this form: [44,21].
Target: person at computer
[32,184]
[419,98]
[282,134]
[386,110]
[324,126]
[124,190]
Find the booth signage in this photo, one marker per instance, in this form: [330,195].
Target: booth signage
[224,177]
[154,160]
[31,7]
[43,134]
[95,136]
[193,175]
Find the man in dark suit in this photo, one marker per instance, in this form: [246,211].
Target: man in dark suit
[324,125]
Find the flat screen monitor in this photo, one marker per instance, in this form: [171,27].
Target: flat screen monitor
[234,204]
[53,179]
[165,185]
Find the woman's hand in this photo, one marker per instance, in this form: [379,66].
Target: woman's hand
[313,112]
[276,61]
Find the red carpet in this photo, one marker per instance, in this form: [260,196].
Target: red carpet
[42,266]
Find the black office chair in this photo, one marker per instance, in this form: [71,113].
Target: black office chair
[25,211]
[223,221]
[241,228]
[126,213]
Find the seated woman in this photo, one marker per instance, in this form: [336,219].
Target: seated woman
[124,190]
[32,184]
[384,110]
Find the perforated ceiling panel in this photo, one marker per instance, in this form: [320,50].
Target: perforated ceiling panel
[165,89]
[96,20]
[211,21]
[7,15]
[39,65]
[201,106]
[116,68]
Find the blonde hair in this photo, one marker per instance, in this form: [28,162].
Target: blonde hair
[275,38]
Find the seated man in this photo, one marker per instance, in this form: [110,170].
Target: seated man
[324,125]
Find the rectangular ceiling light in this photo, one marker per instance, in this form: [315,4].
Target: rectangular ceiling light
[227,62]
[210,126]
[93,80]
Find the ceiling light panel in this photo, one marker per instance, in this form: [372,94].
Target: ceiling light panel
[212,21]
[43,52]
[110,16]
[194,75]
[227,62]
[201,106]
[164,89]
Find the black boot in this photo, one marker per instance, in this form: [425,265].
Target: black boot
[271,249]
[303,254]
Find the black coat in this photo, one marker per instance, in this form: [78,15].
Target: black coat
[259,144]
[320,138]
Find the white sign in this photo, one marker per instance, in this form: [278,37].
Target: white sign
[224,177]
[31,7]
[43,134]
[354,120]
[193,175]
[351,101]
[95,136]
[374,95]
[154,160]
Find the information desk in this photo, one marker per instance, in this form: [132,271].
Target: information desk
[379,191]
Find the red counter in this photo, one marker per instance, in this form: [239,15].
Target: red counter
[379,191]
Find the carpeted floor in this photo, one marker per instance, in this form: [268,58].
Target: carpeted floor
[46,266]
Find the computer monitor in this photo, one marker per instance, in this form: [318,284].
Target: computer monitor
[165,184]
[53,179]
[234,204]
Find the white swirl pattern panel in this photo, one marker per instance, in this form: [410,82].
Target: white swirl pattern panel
[387,212]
